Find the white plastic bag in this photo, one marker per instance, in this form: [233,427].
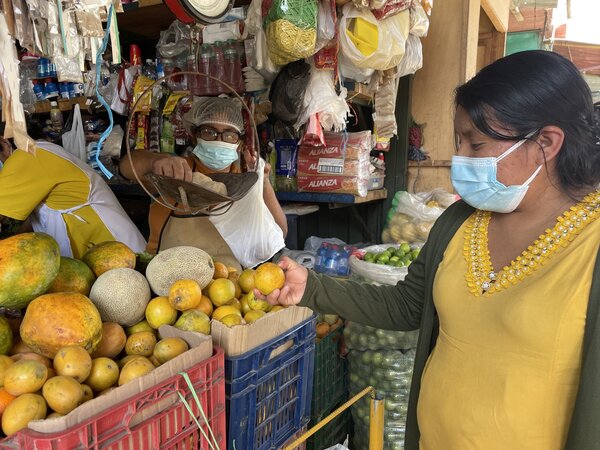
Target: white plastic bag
[260,59]
[392,33]
[349,71]
[320,98]
[325,24]
[413,56]
[376,273]
[249,227]
[419,22]
[73,141]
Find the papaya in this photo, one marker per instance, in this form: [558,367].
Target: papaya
[109,255]
[53,321]
[73,276]
[29,262]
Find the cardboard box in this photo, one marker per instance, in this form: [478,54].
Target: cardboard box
[335,184]
[333,166]
[240,339]
[332,151]
[201,348]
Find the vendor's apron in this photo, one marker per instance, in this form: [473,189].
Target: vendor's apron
[186,231]
[101,199]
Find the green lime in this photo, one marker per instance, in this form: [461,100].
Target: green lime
[405,247]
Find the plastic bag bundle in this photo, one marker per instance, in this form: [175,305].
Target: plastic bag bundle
[291,30]
[384,118]
[412,215]
[320,98]
[369,43]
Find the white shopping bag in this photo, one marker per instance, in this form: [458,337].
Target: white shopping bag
[73,140]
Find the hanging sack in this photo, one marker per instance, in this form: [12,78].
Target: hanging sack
[369,43]
[73,140]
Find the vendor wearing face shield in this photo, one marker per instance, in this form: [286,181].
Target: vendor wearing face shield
[217,126]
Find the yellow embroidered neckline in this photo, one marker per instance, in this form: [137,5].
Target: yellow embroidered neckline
[481,277]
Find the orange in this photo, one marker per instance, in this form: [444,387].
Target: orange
[141,343]
[246,280]
[63,394]
[104,374]
[73,361]
[5,399]
[268,277]
[160,311]
[221,291]
[185,294]
[221,271]
[205,306]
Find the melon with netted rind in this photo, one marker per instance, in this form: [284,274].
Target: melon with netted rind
[179,263]
[121,296]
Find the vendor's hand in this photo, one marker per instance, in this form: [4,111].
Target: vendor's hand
[290,294]
[173,167]
[249,156]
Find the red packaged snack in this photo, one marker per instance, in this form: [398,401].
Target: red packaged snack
[333,183]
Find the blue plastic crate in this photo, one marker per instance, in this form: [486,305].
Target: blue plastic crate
[268,399]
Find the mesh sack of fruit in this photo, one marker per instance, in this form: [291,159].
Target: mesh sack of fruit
[412,215]
[383,264]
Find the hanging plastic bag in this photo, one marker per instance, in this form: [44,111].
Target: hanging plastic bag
[348,70]
[291,30]
[287,91]
[368,43]
[419,22]
[326,20]
[391,8]
[260,60]
[321,98]
[174,41]
[260,237]
[73,140]
[413,56]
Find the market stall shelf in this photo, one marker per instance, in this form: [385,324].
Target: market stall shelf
[322,197]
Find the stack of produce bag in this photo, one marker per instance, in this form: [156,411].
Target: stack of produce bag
[341,166]
[412,215]
[382,359]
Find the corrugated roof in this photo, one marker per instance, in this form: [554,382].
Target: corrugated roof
[585,56]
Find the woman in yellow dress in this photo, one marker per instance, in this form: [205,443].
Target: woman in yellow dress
[506,292]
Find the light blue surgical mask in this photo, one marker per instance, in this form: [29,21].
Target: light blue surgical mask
[216,155]
[475,181]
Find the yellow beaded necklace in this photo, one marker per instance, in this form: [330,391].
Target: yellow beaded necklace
[481,277]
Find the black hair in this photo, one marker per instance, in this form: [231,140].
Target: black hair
[527,91]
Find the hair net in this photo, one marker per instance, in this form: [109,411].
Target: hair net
[216,111]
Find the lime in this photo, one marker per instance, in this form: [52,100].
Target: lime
[405,247]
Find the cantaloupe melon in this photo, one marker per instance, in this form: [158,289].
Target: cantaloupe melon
[121,296]
[179,263]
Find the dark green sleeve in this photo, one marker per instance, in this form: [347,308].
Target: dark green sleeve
[390,307]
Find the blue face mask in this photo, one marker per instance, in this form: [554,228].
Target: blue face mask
[475,181]
[216,155]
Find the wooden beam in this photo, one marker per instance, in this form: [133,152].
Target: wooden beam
[497,11]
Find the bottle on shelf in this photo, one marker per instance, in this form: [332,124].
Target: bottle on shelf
[193,81]
[233,67]
[321,256]
[218,70]
[332,260]
[56,117]
[206,86]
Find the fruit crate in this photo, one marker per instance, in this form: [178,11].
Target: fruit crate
[125,427]
[335,432]
[269,390]
[330,385]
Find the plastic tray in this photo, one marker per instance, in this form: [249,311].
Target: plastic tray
[335,432]
[171,428]
[269,390]
[330,384]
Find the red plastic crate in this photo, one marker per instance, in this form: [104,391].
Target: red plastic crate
[171,428]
